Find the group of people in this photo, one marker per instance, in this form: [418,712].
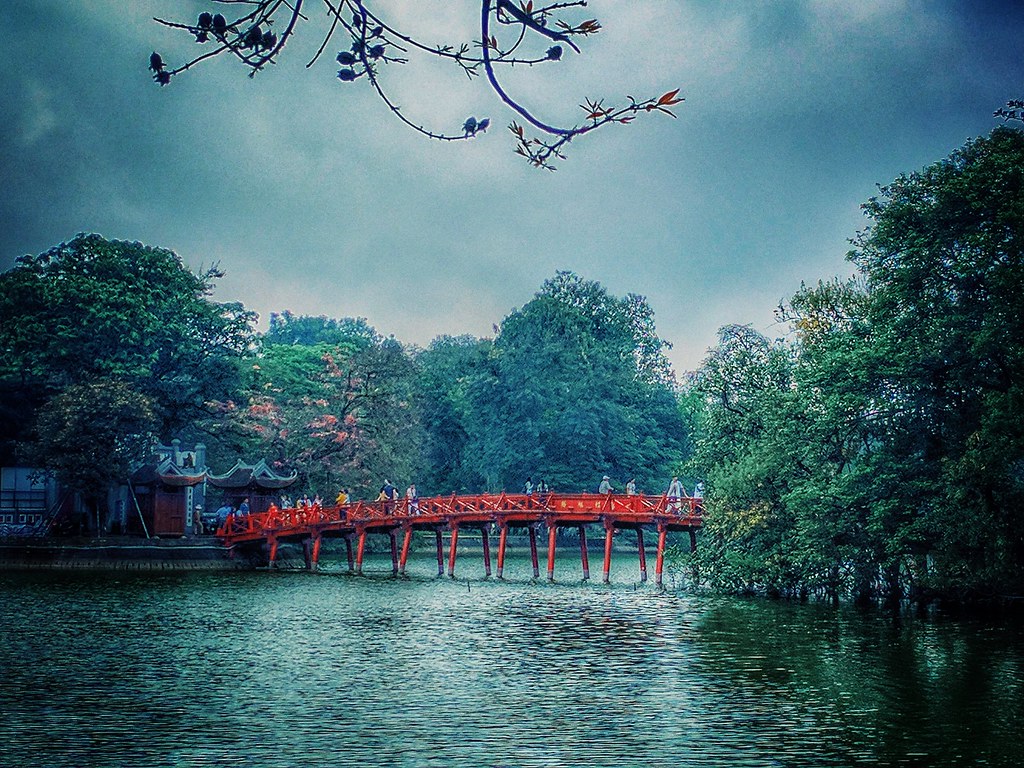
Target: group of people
[675,492]
[541,488]
[302,502]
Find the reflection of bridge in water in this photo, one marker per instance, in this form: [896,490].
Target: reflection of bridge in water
[484,513]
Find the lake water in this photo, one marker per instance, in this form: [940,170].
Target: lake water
[269,669]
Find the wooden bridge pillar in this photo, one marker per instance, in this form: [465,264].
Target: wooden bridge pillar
[394,552]
[487,550]
[640,551]
[502,538]
[453,548]
[552,534]
[583,553]
[314,555]
[348,552]
[360,549]
[533,549]
[307,553]
[272,551]
[609,531]
[440,552]
[405,549]
[659,562]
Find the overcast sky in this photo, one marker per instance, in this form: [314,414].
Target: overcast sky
[313,198]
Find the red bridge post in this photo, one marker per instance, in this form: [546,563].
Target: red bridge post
[502,538]
[583,553]
[659,561]
[643,555]
[315,558]
[609,531]
[272,554]
[552,532]
[453,548]
[487,551]
[405,549]
[533,549]
[360,548]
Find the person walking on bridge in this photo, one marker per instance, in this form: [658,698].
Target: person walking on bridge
[675,494]
[606,486]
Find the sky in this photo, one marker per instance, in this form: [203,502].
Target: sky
[313,198]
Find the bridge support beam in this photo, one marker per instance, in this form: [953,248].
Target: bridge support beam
[406,541]
[440,552]
[552,534]
[394,552]
[348,552]
[487,550]
[640,551]
[533,549]
[659,561]
[502,538]
[609,531]
[452,549]
[583,553]
[360,549]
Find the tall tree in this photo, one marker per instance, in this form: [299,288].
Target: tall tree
[891,450]
[338,413]
[580,388]
[93,309]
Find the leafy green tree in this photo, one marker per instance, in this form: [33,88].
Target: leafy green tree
[579,387]
[287,328]
[93,309]
[92,435]
[449,373]
[944,265]
[884,445]
[338,413]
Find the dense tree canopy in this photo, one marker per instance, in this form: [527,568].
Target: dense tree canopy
[577,387]
[93,308]
[106,346]
[884,444]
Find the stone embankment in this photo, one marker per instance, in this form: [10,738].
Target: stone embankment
[120,553]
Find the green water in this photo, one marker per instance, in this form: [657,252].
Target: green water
[300,669]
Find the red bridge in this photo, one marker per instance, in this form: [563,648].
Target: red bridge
[485,513]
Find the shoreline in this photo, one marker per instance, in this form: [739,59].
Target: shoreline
[120,553]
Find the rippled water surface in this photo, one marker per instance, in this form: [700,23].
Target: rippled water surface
[328,669]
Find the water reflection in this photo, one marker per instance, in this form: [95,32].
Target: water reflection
[290,669]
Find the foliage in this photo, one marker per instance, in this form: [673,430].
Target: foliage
[374,43]
[92,435]
[339,413]
[882,446]
[577,387]
[93,309]
[451,371]
[286,328]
